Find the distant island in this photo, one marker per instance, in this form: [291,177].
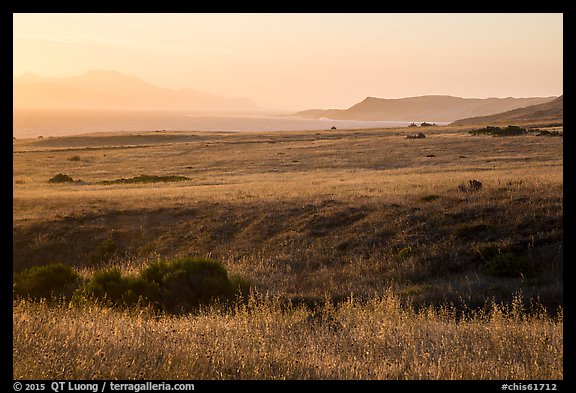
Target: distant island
[429,108]
[114,90]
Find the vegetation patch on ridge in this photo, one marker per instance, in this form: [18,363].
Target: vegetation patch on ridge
[497,131]
[146,179]
[62,178]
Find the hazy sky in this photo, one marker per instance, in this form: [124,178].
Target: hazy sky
[303,61]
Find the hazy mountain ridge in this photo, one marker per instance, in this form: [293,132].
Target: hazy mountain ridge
[113,90]
[438,108]
[548,112]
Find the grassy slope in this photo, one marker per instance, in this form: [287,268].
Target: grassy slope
[533,115]
[307,215]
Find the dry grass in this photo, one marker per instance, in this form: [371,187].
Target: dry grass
[240,167]
[301,215]
[264,339]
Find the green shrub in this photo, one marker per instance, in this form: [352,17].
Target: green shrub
[473,185]
[497,131]
[548,133]
[104,251]
[146,179]
[107,284]
[471,231]
[185,283]
[61,178]
[46,282]
[508,265]
[429,198]
[487,251]
[111,288]
[513,130]
[179,285]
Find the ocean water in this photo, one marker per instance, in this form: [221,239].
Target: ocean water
[31,123]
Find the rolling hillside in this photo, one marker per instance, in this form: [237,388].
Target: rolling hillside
[546,113]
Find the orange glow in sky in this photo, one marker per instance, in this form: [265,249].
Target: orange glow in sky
[303,61]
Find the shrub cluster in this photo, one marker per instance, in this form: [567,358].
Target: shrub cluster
[497,131]
[179,285]
[508,265]
[505,261]
[473,185]
[146,179]
[105,251]
[429,198]
[46,282]
[547,133]
[61,178]
[419,135]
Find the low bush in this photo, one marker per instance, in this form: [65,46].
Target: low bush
[473,185]
[105,251]
[508,265]
[61,178]
[429,198]
[111,288]
[470,231]
[185,283]
[548,133]
[46,282]
[497,131]
[419,135]
[146,179]
[179,285]
[488,250]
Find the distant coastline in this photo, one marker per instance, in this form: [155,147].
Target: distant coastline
[32,123]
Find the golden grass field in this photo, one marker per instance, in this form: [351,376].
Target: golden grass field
[312,217]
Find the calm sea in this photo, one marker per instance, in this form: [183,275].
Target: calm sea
[28,123]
